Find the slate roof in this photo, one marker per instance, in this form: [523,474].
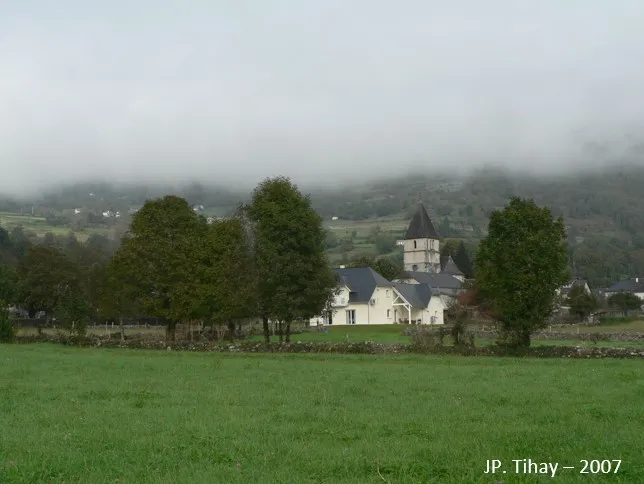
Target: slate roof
[361,281]
[436,280]
[418,295]
[629,285]
[448,266]
[421,226]
[574,283]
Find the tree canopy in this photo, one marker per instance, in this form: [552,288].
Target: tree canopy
[294,278]
[158,259]
[520,265]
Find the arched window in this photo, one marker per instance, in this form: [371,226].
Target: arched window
[414,267]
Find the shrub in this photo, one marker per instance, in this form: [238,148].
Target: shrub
[425,338]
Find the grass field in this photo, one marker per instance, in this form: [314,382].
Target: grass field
[97,416]
[40,226]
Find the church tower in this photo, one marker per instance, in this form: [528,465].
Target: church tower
[421,244]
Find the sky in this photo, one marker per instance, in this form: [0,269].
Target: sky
[326,91]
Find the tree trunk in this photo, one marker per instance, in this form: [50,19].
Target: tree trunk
[231,330]
[267,334]
[171,330]
[524,339]
[288,331]
[122,328]
[280,332]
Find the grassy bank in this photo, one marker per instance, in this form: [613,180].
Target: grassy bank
[97,415]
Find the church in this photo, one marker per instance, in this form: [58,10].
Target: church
[421,296]
[421,248]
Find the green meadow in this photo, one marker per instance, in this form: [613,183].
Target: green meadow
[80,415]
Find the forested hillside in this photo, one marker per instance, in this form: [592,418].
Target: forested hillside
[602,211]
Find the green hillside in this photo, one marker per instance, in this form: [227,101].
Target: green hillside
[601,210]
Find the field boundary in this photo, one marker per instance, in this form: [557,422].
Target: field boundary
[360,347]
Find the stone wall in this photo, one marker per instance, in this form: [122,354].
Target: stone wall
[365,347]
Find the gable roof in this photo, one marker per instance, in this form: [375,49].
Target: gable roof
[421,226]
[448,266]
[436,280]
[629,285]
[418,295]
[565,290]
[361,281]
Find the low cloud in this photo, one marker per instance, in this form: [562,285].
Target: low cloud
[325,92]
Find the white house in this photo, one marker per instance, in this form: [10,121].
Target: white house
[418,304]
[566,288]
[365,297]
[634,286]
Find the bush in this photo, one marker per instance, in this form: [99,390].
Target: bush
[7,328]
[423,339]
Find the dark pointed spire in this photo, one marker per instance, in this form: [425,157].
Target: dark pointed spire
[448,266]
[421,226]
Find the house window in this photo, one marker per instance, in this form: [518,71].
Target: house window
[351,316]
[388,313]
[414,267]
[387,293]
[415,245]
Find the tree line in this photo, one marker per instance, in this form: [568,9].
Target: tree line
[266,261]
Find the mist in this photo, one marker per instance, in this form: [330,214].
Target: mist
[327,93]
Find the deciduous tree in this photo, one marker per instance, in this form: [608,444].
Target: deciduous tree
[44,276]
[227,274]
[294,278]
[158,258]
[519,266]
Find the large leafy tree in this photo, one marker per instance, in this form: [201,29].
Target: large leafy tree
[294,279]
[159,257]
[519,266]
[226,273]
[45,275]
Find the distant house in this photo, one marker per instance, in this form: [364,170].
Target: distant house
[77,211]
[634,285]
[566,288]
[365,297]
[419,304]
[444,284]
[334,218]
[198,208]
[108,214]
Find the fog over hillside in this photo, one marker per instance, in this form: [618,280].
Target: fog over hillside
[325,92]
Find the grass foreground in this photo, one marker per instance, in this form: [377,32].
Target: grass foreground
[102,415]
